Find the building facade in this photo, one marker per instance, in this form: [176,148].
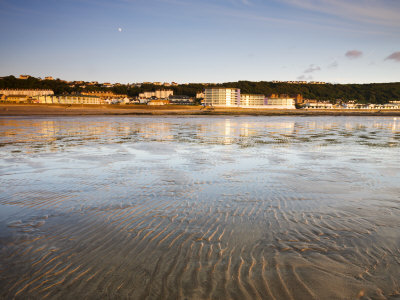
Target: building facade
[17,98]
[104,94]
[158,102]
[222,97]
[159,94]
[229,97]
[252,100]
[79,99]
[180,99]
[200,95]
[29,93]
[280,103]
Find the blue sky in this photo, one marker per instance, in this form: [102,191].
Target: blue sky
[340,41]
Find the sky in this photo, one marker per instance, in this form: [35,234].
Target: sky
[126,41]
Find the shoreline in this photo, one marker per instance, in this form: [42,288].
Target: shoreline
[180,110]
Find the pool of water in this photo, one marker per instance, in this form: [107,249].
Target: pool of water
[200,207]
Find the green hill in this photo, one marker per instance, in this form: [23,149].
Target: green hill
[363,93]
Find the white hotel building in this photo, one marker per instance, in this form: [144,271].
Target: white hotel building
[230,97]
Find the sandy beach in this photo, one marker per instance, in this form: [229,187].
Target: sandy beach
[204,207]
[53,110]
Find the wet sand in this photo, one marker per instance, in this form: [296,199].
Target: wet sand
[76,109]
[199,207]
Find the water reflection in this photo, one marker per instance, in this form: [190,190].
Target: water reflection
[63,131]
[200,208]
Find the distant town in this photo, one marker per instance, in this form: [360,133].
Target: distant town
[242,94]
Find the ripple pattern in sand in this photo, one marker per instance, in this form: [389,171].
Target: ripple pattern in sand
[218,219]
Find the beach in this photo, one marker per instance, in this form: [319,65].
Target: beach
[204,207]
[78,109]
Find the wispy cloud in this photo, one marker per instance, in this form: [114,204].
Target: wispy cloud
[260,11]
[304,77]
[384,12]
[312,68]
[394,56]
[333,65]
[353,54]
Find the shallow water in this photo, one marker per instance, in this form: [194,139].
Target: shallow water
[200,208]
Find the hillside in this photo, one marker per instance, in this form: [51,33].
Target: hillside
[363,93]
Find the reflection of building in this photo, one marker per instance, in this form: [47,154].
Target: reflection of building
[222,97]
[159,94]
[80,99]
[231,130]
[29,93]
[158,131]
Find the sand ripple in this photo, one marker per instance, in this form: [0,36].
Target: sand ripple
[293,208]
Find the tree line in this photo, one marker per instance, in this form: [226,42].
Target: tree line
[378,93]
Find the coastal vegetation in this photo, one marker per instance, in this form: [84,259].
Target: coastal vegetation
[377,93]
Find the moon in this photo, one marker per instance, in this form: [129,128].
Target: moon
[119,29]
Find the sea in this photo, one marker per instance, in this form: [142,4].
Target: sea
[199,207]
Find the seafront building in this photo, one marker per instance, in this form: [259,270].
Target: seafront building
[180,99]
[252,100]
[231,97]
[159,94]
[158,102]
[200,95]
[222,97]
[79,99]
[319,105]
[16,98]
[26,92]
[280,103]
[105,95]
